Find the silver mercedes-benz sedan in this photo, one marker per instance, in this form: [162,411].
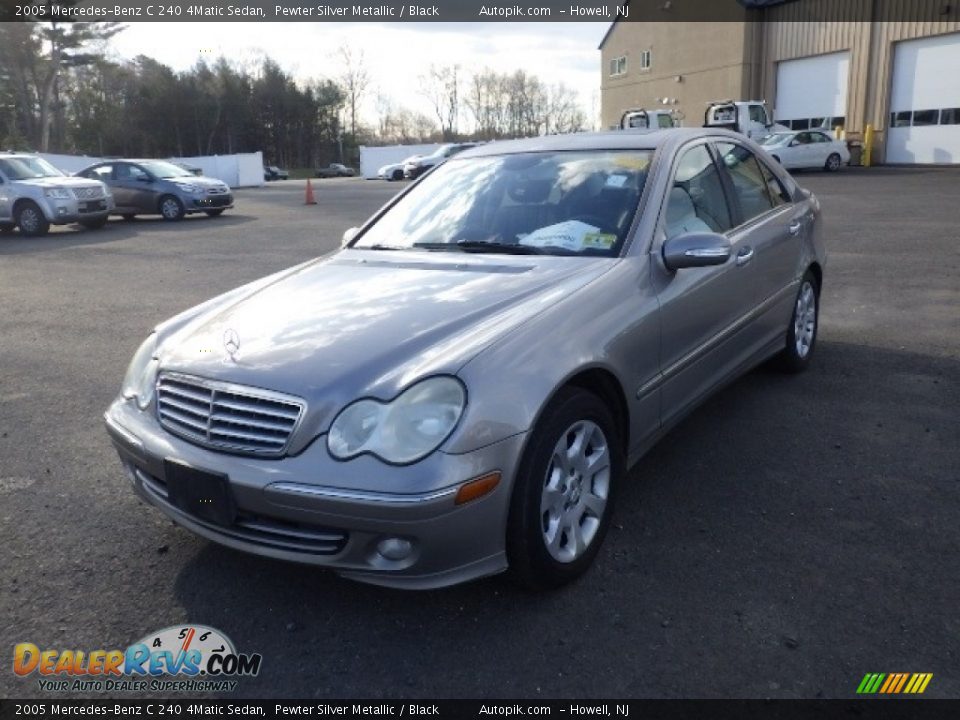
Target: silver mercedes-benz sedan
[462,388]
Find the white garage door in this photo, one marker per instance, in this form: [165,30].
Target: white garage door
[925,102]
[812,92]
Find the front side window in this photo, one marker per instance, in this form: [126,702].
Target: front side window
[749,184]
[556,203]
[165,170]
[103,172]
[27,168]
[130,172]
[696,202]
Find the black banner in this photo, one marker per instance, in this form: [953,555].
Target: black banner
[602,11]
[913,709]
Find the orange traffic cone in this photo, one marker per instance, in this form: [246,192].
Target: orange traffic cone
[309,200]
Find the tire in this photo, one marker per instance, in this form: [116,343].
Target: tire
[171,208]
[804,325]
[94,223]
[129,218]
[397,175]
[833,163]
[214,213]
[555,501]
[32,221]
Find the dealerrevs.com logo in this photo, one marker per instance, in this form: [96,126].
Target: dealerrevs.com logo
[192,658]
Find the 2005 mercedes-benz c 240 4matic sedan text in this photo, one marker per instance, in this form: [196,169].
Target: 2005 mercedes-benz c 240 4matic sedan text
[462,388]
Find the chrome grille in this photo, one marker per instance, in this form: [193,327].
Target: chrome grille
[228,417]
[87,193]
[218,190]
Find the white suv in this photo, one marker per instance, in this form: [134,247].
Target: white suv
[35,195]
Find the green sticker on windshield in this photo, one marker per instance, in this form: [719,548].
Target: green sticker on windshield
[601,241]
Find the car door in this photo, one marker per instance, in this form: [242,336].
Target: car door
[700,308]
[6,200]
[805,151]
[773,225]
[821,147]
[104,173]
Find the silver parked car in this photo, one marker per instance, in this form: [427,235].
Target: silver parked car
[35,195]
[158,187]
[462,388]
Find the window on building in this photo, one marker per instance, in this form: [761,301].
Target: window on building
[950,116]
[618,66]
[839,122]
[925,117]
[645,59]
[900,119]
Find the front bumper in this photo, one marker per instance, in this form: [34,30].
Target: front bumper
[65,211]
[308,508]
[202,203]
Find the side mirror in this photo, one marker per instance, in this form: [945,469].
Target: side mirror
[695,249]
[349,235]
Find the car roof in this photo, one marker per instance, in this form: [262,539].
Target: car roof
[639,139]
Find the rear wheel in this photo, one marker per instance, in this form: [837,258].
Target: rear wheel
[214,213]
[31,220]
[833,163]
[171,208]
[397,175]
[94,223]
[802,331]
[563,497]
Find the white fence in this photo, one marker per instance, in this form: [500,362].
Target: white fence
[244,170]
[374,158]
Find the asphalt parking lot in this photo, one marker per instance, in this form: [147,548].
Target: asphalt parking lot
[790,536]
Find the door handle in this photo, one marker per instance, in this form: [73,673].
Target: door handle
[744,256]
[795,227]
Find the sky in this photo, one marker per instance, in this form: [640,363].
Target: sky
[396,54]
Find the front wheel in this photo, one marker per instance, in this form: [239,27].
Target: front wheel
[171,208]
[94,223]
[563,497]
[802,331]
[214,213]
[833,163]
[32,221]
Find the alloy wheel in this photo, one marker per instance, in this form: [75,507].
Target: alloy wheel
[805,319]
[575,491]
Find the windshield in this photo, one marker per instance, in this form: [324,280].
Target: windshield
[162,169]
[774,139]
[564,203]
[28,168]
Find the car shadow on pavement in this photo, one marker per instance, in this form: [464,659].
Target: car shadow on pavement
[116,230]
[744,549]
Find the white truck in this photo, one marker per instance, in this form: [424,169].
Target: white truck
[751,118]
[638,118]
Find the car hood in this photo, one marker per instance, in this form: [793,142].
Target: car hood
[65,181]
[199,180]
[368,323]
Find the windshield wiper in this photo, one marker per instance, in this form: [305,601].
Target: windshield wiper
[381,246]
[483,246]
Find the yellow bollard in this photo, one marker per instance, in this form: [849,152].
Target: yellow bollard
[838,132]
[867,156]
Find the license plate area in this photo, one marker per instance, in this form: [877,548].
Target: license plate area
[200,493]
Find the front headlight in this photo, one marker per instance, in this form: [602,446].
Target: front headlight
[190,188]
[58,193]
[141,376]
[404,430]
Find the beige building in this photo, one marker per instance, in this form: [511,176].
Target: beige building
[894,64]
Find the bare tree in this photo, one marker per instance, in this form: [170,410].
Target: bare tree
[355,81]
[441,87]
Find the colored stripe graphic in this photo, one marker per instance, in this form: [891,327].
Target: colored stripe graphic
[894,683]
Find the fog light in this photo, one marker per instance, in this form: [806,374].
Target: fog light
[394,548]
[131,472]
[61,211]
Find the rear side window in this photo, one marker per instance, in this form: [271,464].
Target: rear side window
[696,202]
[749,184]
[778,193]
